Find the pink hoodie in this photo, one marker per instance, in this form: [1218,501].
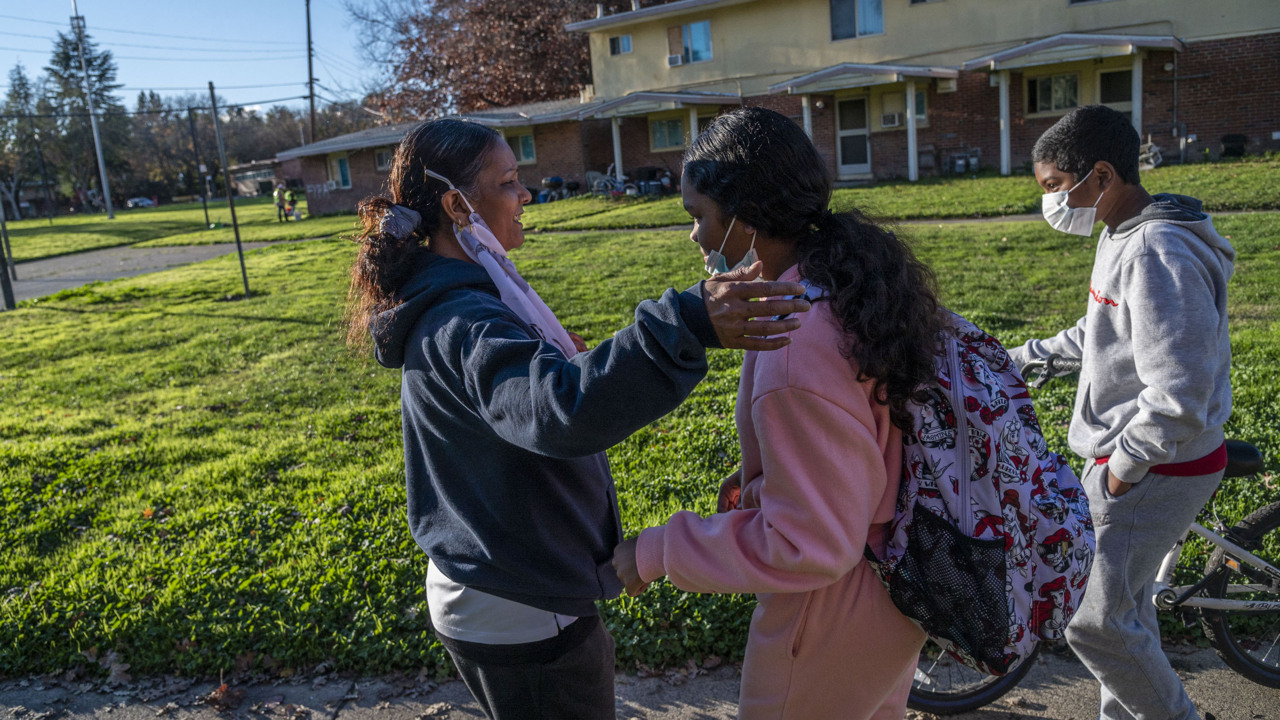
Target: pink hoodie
[820,469]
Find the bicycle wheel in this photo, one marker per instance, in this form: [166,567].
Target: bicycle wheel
[943,686]
[1248,642]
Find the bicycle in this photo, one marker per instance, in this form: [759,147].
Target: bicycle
[1237,597]
[607,184]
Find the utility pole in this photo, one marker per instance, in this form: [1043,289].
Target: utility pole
[311,76]
[191,120]
[77,24]
[226,179]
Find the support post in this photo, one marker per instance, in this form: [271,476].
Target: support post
[10,267]
[77,23]
[693,124]
[226,179]
[616,124]
[807,111]
[6,286]
[195,148]
[1006,154]
[913,155]
[1137,94]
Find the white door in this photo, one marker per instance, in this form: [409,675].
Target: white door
[853,139]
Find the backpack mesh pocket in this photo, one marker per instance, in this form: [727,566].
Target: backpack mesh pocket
[954,586]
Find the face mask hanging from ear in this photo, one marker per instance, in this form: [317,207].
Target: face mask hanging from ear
[480,244]
[1073,221]
[716,263]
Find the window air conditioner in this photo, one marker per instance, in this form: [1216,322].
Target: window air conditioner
[331,185]
[890,120]
[674,60]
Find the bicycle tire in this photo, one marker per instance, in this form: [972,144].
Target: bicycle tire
[1248,643]
[957,688]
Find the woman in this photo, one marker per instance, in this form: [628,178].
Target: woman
[506,417]
[820,426]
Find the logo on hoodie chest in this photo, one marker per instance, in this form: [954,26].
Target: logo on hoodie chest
[1102,299]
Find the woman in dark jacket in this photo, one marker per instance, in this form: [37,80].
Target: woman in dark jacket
[506,417]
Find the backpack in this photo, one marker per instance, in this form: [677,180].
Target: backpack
[991,542]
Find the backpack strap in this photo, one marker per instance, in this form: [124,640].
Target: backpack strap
[811,292]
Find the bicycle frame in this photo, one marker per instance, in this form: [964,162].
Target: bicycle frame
[1166,597]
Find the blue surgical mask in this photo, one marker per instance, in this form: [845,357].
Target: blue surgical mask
[1074,221]
[717,265]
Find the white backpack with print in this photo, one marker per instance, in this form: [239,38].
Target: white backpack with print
[991,543]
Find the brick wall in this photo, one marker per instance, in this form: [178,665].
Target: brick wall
[1224,87]
[365,180]
[559,149]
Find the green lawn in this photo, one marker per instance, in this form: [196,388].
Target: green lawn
[198,481]
[1247,185]
[165,225]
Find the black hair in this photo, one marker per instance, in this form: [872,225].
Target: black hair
[759,165]
[456,149]
[1087,135]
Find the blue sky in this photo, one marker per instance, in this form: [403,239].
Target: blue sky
[178,46]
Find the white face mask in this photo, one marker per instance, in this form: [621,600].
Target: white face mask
[1074,221]
[716,263]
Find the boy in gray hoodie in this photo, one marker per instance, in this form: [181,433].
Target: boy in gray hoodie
[1153,396]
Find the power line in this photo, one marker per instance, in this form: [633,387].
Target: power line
[220,87]
[167,36]
[157,47]
[148,112]
[168,59]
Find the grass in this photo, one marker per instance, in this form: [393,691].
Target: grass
[1246,185]
[165,225]
[201,482]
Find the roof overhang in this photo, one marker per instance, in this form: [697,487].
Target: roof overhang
[1071,47]
[643,103]
[656,12]
[856,75]
[356,141]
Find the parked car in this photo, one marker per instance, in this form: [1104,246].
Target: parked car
[139,202]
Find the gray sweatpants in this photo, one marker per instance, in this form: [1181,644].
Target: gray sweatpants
[1115,632]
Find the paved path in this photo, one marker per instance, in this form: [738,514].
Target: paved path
[1058,688]
[38,278]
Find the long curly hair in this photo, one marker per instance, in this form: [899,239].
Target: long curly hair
[456,149]
[760,166]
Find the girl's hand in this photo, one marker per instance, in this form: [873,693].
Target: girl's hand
[1116,486]
[624,563]
[730,492]
[578,342]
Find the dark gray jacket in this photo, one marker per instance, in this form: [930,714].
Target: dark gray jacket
[509,489]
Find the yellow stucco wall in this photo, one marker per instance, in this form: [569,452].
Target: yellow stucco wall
[760,43]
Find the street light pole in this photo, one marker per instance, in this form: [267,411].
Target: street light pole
[311,76]
[77,24]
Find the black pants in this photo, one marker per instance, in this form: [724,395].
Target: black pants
[567,677]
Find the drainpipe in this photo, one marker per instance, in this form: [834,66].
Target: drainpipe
[693,124]
[1006,160]
[1137,93]
[808,115]
[913,155]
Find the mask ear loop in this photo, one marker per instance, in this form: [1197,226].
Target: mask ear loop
[446,181]
[730,230]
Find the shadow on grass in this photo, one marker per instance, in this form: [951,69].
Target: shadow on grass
[220,316]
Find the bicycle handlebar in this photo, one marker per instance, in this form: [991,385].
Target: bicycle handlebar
[1047,368]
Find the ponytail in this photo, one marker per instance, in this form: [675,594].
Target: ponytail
[386,261]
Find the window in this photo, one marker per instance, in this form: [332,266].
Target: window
[1055,92]
[1115,88]
[620,45]
[896,103]
[691,43]
[522,146]
[339,171]
[855,18]
[383,157]
[666,134]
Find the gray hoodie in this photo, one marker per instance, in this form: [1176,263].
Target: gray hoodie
[1155,382]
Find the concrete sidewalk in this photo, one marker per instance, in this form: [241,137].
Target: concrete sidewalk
[1058,688]
[38,278]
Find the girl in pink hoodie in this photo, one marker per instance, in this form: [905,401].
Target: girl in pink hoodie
[819,423]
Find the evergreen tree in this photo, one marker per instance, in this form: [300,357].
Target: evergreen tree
[72,149]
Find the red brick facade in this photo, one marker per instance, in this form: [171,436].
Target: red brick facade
[1222,87]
